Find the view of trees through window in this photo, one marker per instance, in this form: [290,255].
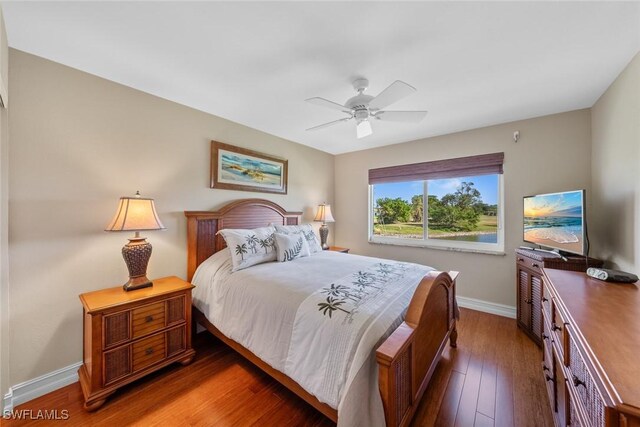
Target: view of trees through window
[462,209]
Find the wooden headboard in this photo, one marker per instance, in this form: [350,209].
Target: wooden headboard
[202,226]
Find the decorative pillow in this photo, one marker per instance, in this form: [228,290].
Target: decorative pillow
[307,231]
[291,246]
[250,247]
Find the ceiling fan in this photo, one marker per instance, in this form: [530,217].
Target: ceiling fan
[363,108]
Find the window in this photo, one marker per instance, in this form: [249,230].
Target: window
[463,208]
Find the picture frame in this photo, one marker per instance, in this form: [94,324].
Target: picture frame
[237,168]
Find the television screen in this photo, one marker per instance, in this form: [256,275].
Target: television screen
[556,221]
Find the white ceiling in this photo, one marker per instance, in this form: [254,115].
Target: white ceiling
[474,64]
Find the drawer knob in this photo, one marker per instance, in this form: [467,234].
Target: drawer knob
[535,265]
[544,299]
[556,327]
[528,301]
[544,367]
[148,319]
[148,351]
[577,382]
[548,378]
[545,337]
[521,259]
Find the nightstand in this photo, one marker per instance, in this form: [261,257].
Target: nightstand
[128,335]
[338,249]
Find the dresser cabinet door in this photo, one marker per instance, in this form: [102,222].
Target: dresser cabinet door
[536,306]
[524,299]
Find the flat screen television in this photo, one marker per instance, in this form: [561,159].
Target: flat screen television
[556,221]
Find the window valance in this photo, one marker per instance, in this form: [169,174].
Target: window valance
[484,164]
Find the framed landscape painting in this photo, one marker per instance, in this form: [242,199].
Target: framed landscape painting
[235,168]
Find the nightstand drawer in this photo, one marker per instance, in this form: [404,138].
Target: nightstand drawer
[148,351]
[148,319]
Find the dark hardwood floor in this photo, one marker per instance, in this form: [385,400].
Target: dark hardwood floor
[492,378]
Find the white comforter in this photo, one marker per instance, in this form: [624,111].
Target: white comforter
[275,310]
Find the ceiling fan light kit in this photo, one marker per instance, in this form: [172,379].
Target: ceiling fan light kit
[364,107]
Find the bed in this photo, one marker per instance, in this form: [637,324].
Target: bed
[407,348]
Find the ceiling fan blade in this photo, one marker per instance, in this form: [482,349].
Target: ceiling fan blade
[329,104]
[326,125]
[401,116]
[363,129]
[394,93]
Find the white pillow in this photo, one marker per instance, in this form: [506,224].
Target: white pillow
[250,247]
[291,246]
[307,231]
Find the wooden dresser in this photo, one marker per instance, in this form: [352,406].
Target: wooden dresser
[591,361]
[130,334]
[529,265]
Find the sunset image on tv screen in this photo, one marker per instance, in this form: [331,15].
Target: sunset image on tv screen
[555,221]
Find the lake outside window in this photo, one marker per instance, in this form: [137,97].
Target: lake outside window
[451,212]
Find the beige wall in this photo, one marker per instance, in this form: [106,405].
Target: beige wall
[615,128]
[553,154]
[4,201]
[79,143]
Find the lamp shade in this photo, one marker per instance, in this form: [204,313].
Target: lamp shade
[324,214]
[135,214]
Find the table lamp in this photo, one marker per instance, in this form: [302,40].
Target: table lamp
[324,215]
[136,214]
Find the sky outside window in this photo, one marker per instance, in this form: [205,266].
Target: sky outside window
[486,184]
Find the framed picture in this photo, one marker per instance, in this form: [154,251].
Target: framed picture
[235,168]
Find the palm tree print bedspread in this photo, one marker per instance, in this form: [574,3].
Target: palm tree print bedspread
[337,319]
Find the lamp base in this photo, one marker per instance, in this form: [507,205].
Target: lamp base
[137,283]
[136,255]
[324,233]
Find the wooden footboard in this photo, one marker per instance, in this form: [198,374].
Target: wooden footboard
[407,359]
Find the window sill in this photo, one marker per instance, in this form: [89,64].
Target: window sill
[439,248]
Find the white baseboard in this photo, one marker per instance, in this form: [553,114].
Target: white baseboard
[487,307]
[29,390]
[7,401]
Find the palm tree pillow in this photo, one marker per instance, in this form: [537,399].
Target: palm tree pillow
[291,246]
[250,247]
[307,231]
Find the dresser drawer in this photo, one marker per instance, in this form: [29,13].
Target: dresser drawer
[148,318]
[529,263]
[558,325]
[584,387]
[546,300]
[148,351]
[547,338]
